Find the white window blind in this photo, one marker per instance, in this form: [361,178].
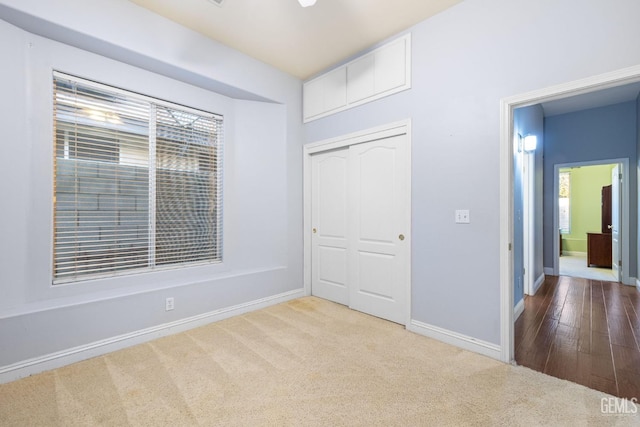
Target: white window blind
[137,182]
[564,202]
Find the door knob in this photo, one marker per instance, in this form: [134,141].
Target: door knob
[609,226]
[314,231]
[401,237]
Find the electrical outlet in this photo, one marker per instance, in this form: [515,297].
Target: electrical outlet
[462,216]
[169,304]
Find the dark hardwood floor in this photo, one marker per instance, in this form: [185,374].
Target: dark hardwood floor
[585,331]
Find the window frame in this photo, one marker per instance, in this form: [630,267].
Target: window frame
[564,231]
[216,195]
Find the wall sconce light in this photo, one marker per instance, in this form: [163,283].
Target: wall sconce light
[530,142]
[305,3]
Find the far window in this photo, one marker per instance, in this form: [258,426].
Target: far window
[564,205]
[138,182]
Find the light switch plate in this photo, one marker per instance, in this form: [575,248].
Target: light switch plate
[462,216]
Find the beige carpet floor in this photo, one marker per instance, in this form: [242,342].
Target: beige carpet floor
[307,362]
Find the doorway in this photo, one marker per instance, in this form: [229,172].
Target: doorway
[591,212]
[586,86]
[575,328]
[357,221]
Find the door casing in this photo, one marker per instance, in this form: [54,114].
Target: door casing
[528,218]
[623,208]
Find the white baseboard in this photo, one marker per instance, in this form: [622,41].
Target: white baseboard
[62,358]
[638,284]
[548,271]
[456,339]
[539,281]
[518,309]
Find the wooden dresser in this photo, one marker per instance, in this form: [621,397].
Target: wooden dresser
[599,249]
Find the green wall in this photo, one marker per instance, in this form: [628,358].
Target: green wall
[586,186]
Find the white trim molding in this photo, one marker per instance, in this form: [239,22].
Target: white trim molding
[459,340]
[62,358]
[638,284]
[518,310]
[548,271]
[538,283]
[507,107]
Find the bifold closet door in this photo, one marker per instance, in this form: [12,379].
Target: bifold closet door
[360,214]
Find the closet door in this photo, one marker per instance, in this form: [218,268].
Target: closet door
[329,220]
[379,228]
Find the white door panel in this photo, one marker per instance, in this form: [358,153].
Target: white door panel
[329,219]
[332,265]
[376,199]
[375,272]
[379,222]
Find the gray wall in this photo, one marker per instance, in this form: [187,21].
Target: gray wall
[464,61]
[589,135]
[262,187]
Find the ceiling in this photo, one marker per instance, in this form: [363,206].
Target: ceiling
[299,41]
[600,98]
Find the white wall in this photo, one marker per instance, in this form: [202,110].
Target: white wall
[464,61]
[262,180]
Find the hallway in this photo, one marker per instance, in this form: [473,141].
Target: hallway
[585,331]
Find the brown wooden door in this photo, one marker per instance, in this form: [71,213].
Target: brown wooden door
[606,209]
